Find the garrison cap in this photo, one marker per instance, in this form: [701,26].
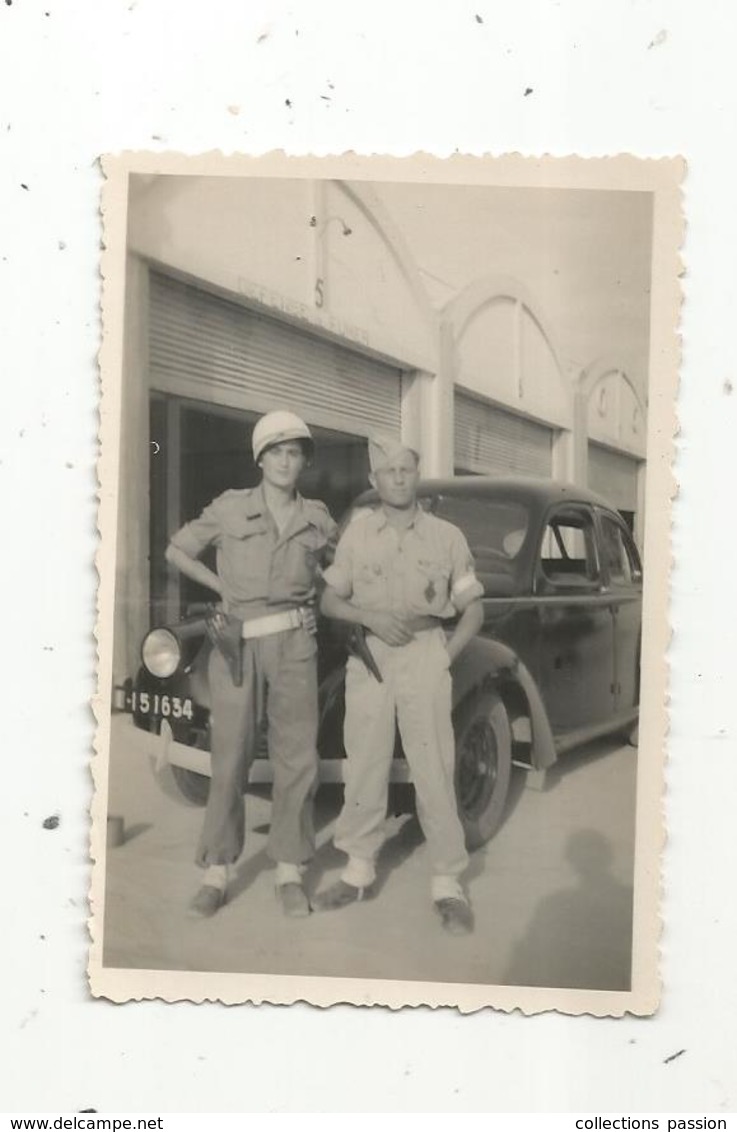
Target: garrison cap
[383,448]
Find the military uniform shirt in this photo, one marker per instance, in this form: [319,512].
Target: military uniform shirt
[422,573]
[261,570]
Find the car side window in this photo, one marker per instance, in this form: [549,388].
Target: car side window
[633,555]
[617,555]
[568,551]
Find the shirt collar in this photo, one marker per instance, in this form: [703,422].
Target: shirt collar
[418,523]
[256,504]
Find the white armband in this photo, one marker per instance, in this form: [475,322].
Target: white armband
[467,582]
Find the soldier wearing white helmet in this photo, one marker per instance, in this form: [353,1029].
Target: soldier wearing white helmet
[278,427]
[270,544]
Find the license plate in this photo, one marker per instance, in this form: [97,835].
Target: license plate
[157,703]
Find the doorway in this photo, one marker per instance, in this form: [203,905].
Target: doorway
[197,452]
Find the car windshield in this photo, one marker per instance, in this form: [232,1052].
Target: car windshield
[495,529]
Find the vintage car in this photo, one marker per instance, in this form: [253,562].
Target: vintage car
[556,664]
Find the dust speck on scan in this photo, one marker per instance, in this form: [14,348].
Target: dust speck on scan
[673,1056]
[659,39]
[51,822]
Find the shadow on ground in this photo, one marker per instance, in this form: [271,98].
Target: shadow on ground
[580,936]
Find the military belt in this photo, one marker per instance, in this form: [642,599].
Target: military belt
[272,623]
[417,624]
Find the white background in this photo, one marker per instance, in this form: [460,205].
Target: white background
[82,77]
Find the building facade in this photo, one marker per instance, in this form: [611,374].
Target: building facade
[436,313]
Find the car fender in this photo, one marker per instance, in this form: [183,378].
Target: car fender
[488,664]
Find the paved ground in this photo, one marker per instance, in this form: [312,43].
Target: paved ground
[552,892]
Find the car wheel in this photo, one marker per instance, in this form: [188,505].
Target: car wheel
[483,765]
[182,785]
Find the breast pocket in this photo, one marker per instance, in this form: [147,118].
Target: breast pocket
[371,578]
[431,583]
[247,556]
[304,556]
[372,587]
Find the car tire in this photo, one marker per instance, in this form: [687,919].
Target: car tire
[483,767]
[182,785]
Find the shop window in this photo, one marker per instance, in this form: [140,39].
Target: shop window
[202,450]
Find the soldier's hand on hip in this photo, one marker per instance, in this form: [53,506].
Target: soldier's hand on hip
[391,628]
[216,625]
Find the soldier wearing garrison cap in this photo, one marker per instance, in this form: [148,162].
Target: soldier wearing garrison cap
[400,574]
[270,543]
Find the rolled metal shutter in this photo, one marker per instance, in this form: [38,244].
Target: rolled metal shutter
[494,441]
[613,475]
[212,349]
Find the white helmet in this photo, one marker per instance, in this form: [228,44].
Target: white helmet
[277,427]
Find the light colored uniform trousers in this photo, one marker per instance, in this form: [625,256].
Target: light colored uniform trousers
[416,693]
[281,671]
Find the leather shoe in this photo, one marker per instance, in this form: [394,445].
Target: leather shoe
[455,914]
[337,896]
[293,900]
[207,901]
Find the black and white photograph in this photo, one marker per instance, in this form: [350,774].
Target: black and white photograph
[385,491]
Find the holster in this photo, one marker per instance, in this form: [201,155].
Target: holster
[228,639]
[358,646]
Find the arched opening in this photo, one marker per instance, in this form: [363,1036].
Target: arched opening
[512,399]
[613,422]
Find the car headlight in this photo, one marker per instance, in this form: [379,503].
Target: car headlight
[161,653]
